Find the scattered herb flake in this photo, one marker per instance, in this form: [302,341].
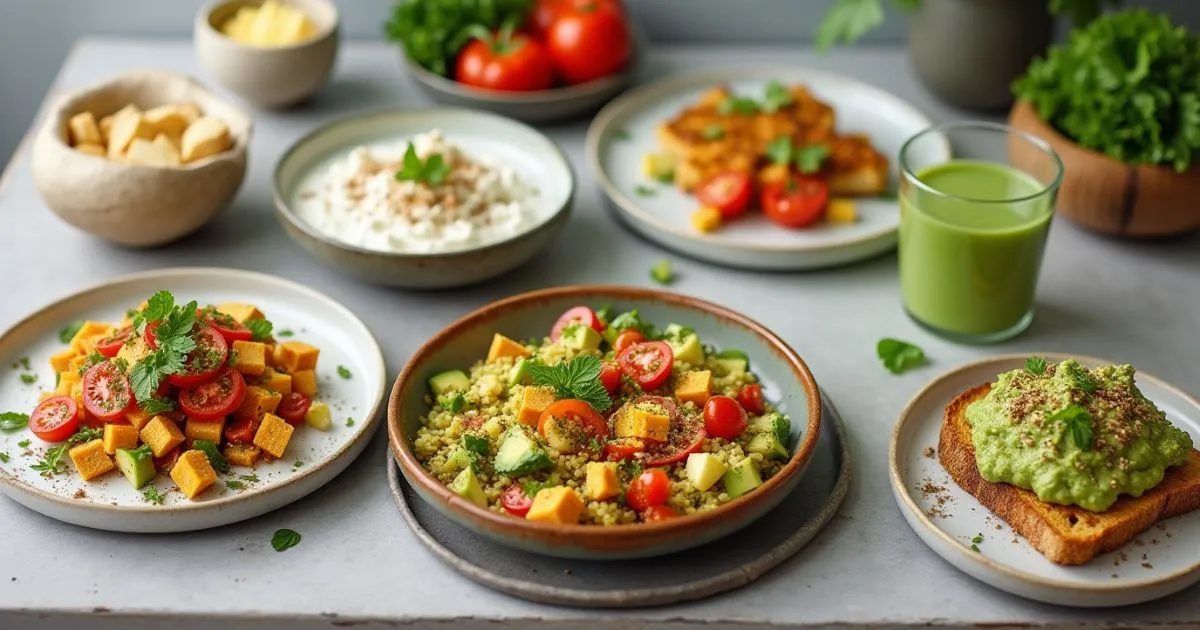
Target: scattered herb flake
[251,478]
[349,422]
[644,191]
[977,539]
[662,272]
[86,434]
[4,457]
[152,495]
[29,378]
[975,547]
[234,484]
[24,363]
[286,332]
[621,134]
[299,463]
[343,371]
[51,461]
[1035,365]
[23,444]
[285,539]
[809,158]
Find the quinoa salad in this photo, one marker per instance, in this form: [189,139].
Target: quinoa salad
[609,420]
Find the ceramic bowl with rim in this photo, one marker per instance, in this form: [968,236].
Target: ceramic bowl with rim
[786,382]
[533,156]
[273,77]
[130,204]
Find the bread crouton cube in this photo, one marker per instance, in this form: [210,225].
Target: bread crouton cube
[137,418]
[167,119]
[162,435]
[276,381]
[695,386]
[504,347]
[273,435]
[119,436]
[61,360]
[126,129]
[258,401]
[209,430]
[240,311]
[534,400]
[296,355]
[205,137]
[84,341]
[83,129]
[67,382]
[249,357]
[305,382]
[90,460]
[193,473]
[559,504]
[601,481]
[91,149]
[152,153]
[190,112]
[245,455]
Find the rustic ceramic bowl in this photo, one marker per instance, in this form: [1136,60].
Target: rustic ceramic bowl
[530,153]
[268,77]
[786,380]
[1108,196]
[132,205]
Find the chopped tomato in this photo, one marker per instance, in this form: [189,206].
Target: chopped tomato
[649,363]
[729,193]
[106,392]
[55,419]
[216,398]
[751,398]
[610,377]
[797,203]
[293,407]
[724,417]
[205,362]
[627,338]
[572,425]
[650,488]
[516,501]
[111,345]
[167,462]
[231,329]
[241,431]
[576,315]
[659,513]
[623,448]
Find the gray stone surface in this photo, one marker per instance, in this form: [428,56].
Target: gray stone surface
[1135,302]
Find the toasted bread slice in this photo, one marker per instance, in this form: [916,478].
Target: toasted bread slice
[1064,534]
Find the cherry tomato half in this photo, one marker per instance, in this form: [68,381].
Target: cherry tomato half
[241,431]
[724,417]
[627,338]
[571,425]
[231,329]
[55,419]
[293,407]
[576,315]
[610,378]
[590,39]
[751,398]
[652,487]
[111,345]
[516,501]
[685,436]
[623,448]
[728,192]
[649,363]
[106,392]
[659,513]
[205,362]
[216,398]
[506,62]
[797,203]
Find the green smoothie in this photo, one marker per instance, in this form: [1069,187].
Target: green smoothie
[969,257]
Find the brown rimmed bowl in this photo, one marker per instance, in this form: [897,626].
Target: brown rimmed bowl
[787,383]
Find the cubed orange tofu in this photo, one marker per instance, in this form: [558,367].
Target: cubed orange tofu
[504,347]
[273,435]
[209,430]
[258,401]
[137,418]
[162,435]
[695,386]
[269,355]
[66,382]
[193,473]
[77,362]
[305,382]
[119,436]
[61,361]
[276,357]
[249,357]
[294,356]
[245,455]
[559,504]
[533,402]
[240,311]
[90,460]
[602,480]
[643,423]
[276,381]
[84,340]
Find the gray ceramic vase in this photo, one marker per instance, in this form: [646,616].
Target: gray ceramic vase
[968,52]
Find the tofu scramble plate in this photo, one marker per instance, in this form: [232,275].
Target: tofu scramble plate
[606,421]
[184,390]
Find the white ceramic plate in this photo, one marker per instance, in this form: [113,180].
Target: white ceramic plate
[1163,560]
[110,502]
[625,131]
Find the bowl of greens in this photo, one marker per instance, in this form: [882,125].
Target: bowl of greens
[1120,103]
[533,60]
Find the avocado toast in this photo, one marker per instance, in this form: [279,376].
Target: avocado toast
[1047,506]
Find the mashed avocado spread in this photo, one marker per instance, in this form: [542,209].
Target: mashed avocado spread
[1074,436]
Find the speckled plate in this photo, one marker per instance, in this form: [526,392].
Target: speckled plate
[701,572]
[313,457]
[1163,560]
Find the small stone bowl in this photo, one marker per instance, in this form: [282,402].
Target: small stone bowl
[129,204]
[270,78]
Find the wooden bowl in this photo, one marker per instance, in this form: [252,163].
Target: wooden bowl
[1108,196]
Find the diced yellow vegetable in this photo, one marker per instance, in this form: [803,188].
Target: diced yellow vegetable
[602,480]
[209,430]
[119,436]
[162,435]
[245,455]
[841,211]
[90,460]
[77,362]
[84,341]
[504,347]
[61,360]
[706,219]
[695,386]
[258,401]
[137,418]
[318,416]
[294,356]
[658,166]
[276,381]
[239,311]
[534,401]
[67,381]
[249,357]
[193,473]
[642,423]
[273,435]
[559,504]
[305,382]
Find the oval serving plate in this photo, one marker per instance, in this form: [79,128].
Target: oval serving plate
[1161,561]
[626,130]
[786,381]
[312,459]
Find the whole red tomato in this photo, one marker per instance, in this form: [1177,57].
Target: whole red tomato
[543,15]
[507,62]
[589,39]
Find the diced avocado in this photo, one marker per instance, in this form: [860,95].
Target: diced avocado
[704,470]
[137,465]
[581,337]
[733,353]
[775,423]
[458,459]
[466,484]
[449,381]
[659,166]
[742,478]
[767,443]
[519,372]
[732,367]
[519,454]
[684,344]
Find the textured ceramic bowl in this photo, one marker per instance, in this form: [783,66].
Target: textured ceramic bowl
[1107,196]
[530,153]
[786,380]
[128,204]
[268,77]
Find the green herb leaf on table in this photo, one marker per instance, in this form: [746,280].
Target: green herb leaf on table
[431,171]
[848,20]
[12,421]
[1035,365]
[1079,425]
[260,329]
[898,356]
[662,272]
[712,132]
[67,334]
[809,158]
[643,190]
[343,371]
[285,539]
[578,378]
[152,495]
[214,455]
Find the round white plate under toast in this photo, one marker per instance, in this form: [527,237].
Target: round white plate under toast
[1162,560]
[312,459]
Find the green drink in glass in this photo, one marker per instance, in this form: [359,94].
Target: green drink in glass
[973,228]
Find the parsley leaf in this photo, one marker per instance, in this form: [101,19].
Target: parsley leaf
[848,20]
[260,329]
[67,334]
[809,158]
[251,478]
[174,339]
[285,539]
[738,105]
[24,443]
[662,272]
[531,487]
[1079,425]
[776,97]
[780,150]
[286,332]
[898,356]
[343,371]
[644,191]
[1035,365]
[234,484]
[51,461]
[453,402]
[157,307]
[152,495]
[11,421]
[156,405]
[349,422]
[578,378]
[712,132]
[631,319]
[432,171]
[86,434]
[29,379]
[4,457]
[1084,380]
[476,444]
[214,456]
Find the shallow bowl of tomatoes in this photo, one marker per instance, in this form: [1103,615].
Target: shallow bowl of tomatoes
[646,510]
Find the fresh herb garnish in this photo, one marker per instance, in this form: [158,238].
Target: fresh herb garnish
[234,484]
[51,461]
[433,33]
[977,539]
[260,329]
[156,405]
[285,539]
[776,97]
[214,455]
[632,468]
[1085,381]
[594,444]
[713,132]
[898,356]
[809,158]
[476,444]
[24,443]
[975,547]
[779,150]
[662,272]
[286,332]
[738,105]
[67,334]
[621,134]
[4,457]
[24,363]
[251,478]
[578,378]
[1079,425]
[86,434]
[1035,365]
[92,359]
[343,371]
[152,495]
[29,378]
[453,402]
[644,190]
[349,422]
[604,313]
[531,487]
[174,339]
[299,463]
[432,171]
[11,421]
[631,320]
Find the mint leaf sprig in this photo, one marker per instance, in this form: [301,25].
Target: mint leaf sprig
[1079,425]
[431,171]
[578,378]
[898,356]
